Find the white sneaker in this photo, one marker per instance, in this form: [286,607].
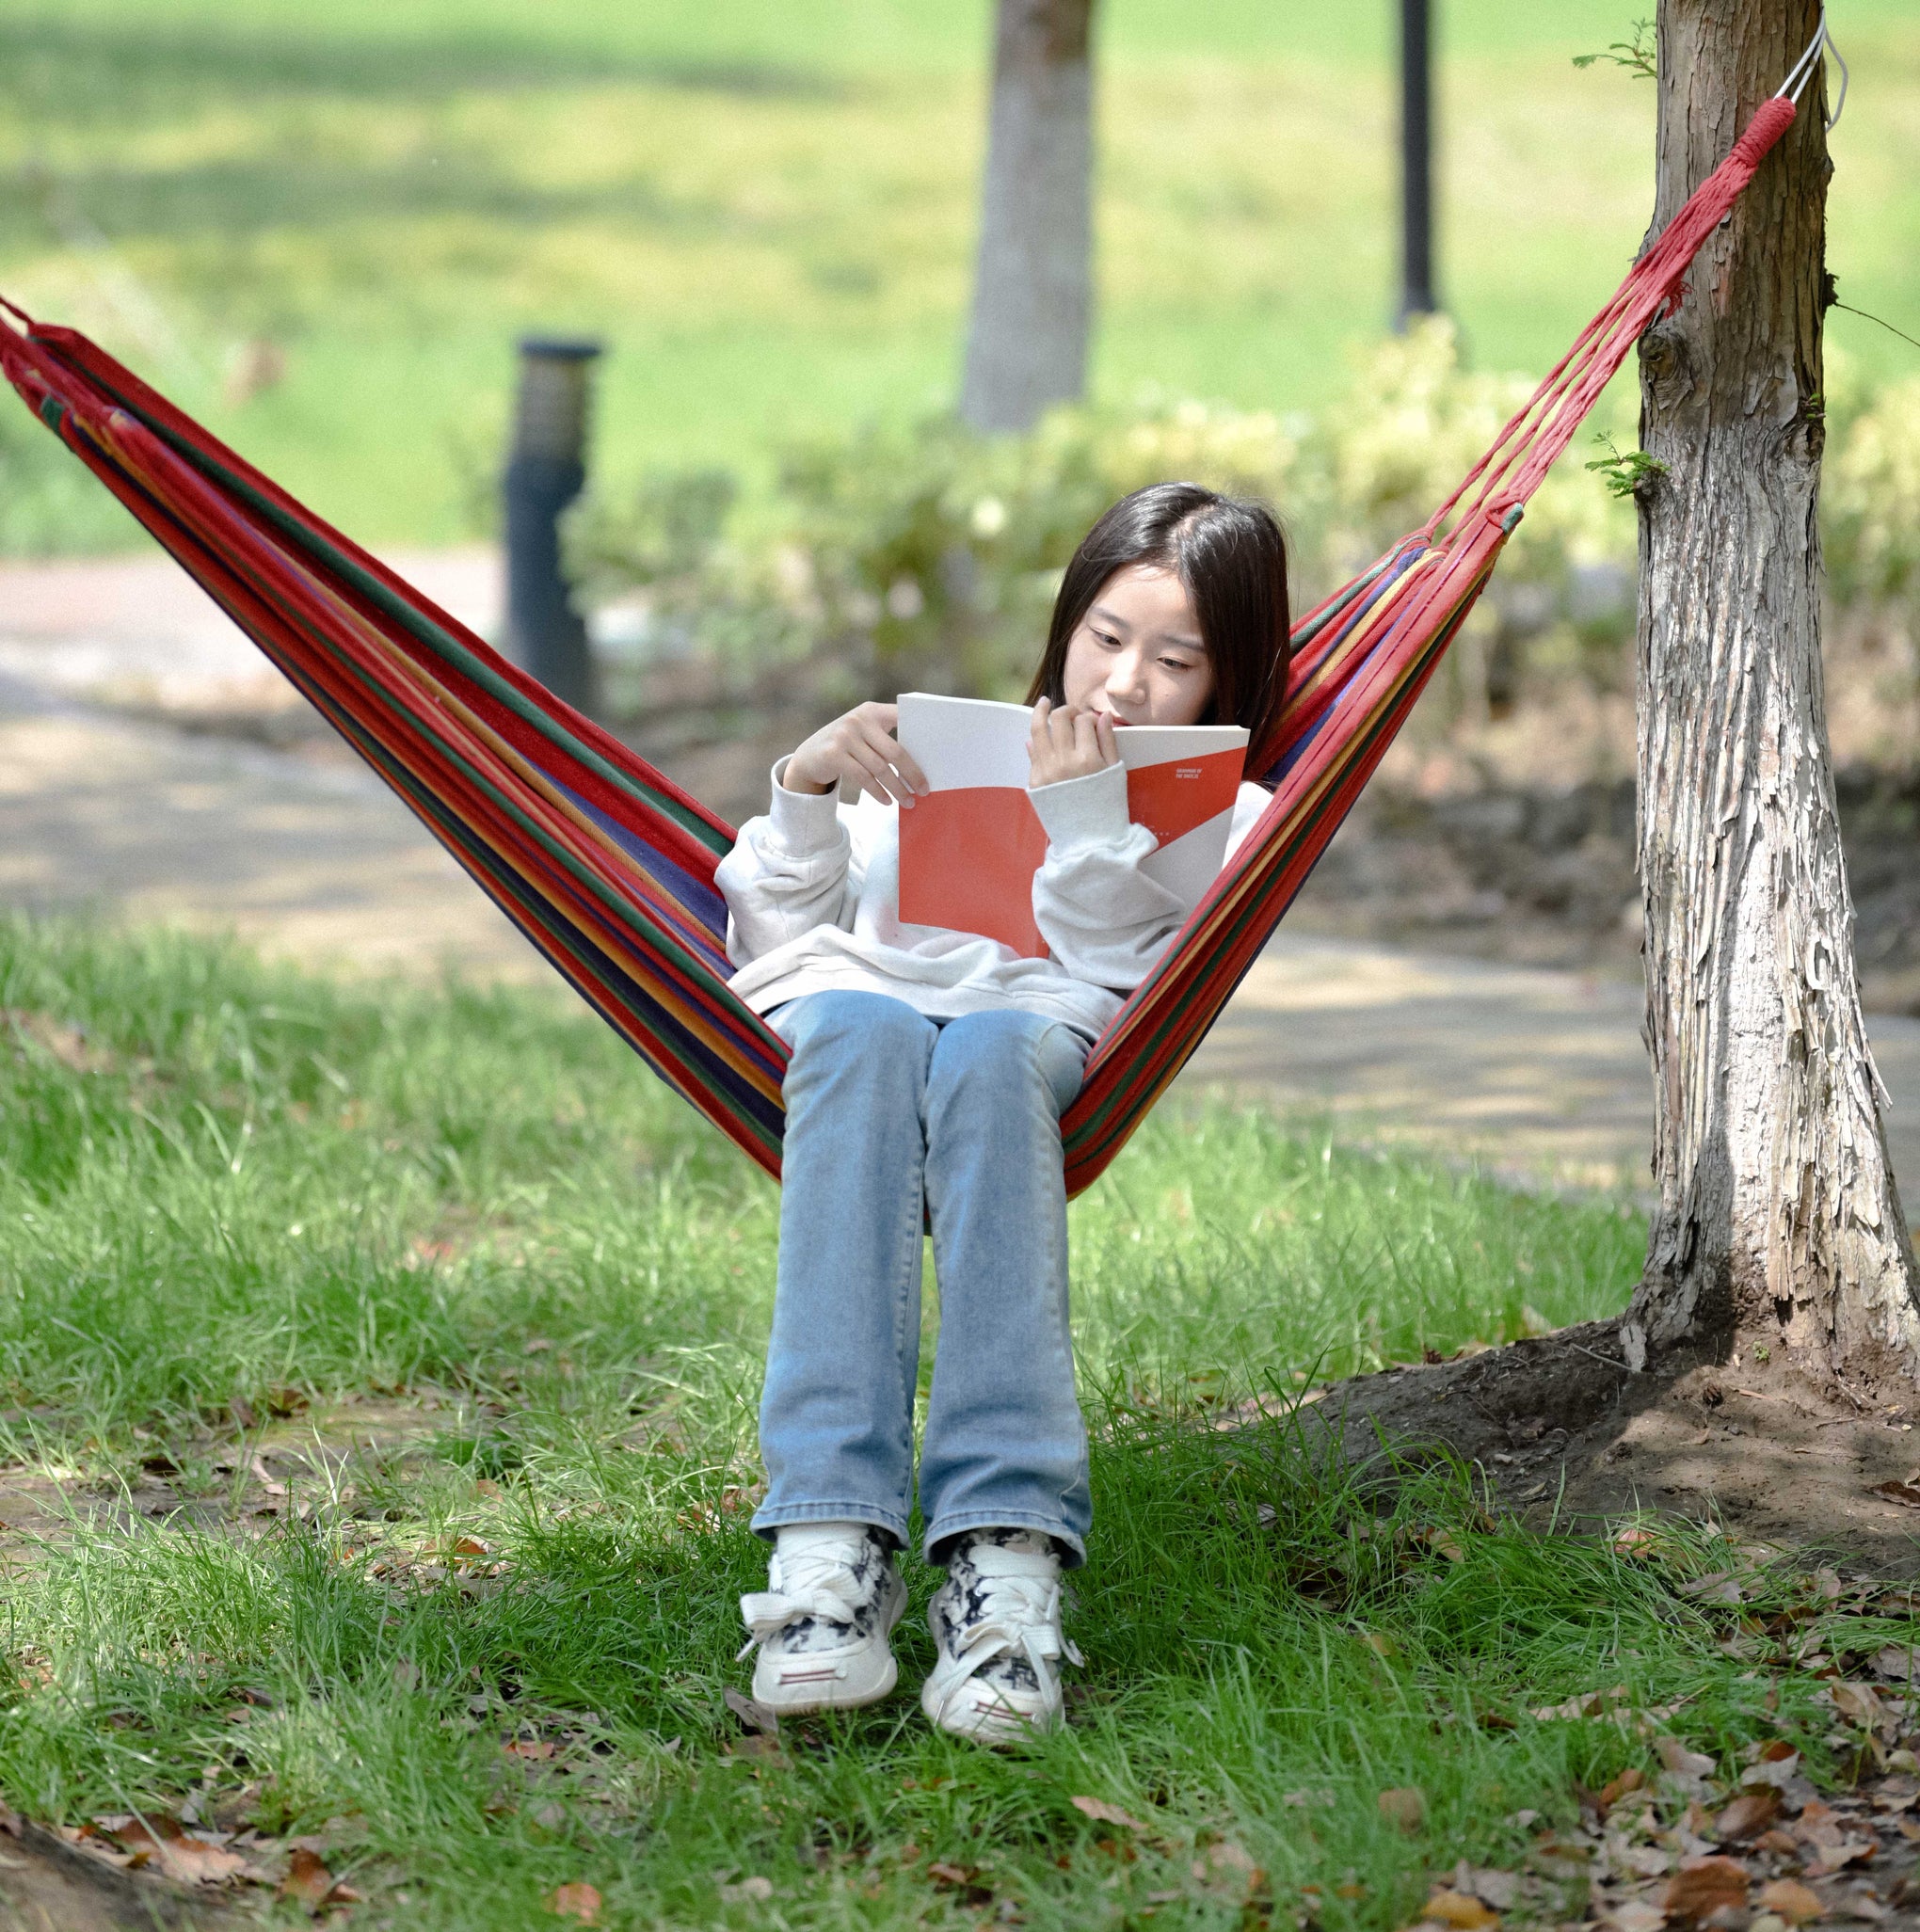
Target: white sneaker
[832,1599]
[996,1623]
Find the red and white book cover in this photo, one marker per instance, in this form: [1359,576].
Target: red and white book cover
[970,848]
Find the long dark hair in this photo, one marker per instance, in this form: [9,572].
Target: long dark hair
[1232,558]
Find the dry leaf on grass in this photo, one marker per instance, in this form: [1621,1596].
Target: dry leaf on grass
[1405,1806]
[1749,1814]
[753,1714]
[1228,1857]
[1681,1762]
[1102,1812]
[965,1880]
[753,1890]
[186,1856]
[307,1882]
[1704,1886]
[578,1900]
[1593,1703]
[1496,1888]
[1636,1915]
[1778,1766]
[1798,1904]
[1859,1703]
[1459,1910]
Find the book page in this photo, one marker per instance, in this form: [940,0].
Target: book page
[968,850]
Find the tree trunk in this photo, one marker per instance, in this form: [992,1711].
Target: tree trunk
[1778,1229]
[1033,295]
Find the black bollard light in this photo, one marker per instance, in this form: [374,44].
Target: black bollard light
[544,472]
[1416,163]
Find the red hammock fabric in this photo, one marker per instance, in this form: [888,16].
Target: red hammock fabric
[608,867]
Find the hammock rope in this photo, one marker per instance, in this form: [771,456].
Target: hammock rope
[607,866]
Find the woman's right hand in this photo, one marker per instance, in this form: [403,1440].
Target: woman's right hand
[859,746]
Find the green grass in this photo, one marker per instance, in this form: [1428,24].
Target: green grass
[768,211]
[231,1193]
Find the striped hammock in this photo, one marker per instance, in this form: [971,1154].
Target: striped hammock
[607,866]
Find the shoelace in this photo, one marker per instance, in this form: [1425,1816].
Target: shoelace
[814,1583]
[1017,1613]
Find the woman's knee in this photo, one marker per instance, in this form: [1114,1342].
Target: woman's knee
[1000,1055]
[853,1036]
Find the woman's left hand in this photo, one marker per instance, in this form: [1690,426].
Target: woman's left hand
[1068,742]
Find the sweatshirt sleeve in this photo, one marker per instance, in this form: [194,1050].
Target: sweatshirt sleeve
[788,872]
[1104,920]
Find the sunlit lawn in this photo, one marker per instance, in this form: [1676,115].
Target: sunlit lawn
[382,1364]
[768,211]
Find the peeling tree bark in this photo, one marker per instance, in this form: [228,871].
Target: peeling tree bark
[1778,1225]
[1032,293]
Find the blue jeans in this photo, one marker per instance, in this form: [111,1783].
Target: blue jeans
[892,1117]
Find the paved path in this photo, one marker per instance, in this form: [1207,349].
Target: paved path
[1539,1074]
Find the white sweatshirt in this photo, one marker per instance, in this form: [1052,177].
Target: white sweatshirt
[812,895]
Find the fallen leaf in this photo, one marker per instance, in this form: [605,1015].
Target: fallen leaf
[1778,1771]
[1228,1857]
[1796,1903]
[184,1856]
[1615,1789]
[1859,1702]
[1751,1813]
[1715,1586]
[1639,1543]
[1836,1858]
[753,1714]
[1459,1910]
[308,1881]
[1636,1915]
[578,1900]
[950,1875]
[1102,1812]
[1593,1703]
[1704,1886]
[753,1890]
[1498,1889]
[1679,1760]
[533,1750]
[1405,1806]
[1642,1861]
[1905,1492]
[470,1546]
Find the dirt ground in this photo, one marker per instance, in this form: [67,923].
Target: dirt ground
[1563,1433]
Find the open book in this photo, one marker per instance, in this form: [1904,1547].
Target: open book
[970,849]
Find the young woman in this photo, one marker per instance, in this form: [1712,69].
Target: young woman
[929,1072]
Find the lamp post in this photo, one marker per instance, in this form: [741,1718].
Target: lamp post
[544,472]
[1416,163]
